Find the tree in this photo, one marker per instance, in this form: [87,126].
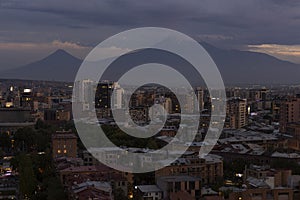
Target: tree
[43,138]
[55,189]
[5,141]
[25,139]
[28,182]
[119,194]
[152,144]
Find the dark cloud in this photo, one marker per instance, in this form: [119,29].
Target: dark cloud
[229,24]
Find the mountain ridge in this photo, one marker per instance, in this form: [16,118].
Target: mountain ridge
[235,66]
[57,66]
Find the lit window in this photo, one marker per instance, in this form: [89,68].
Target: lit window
[65,151]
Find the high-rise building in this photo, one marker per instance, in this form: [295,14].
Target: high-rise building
[200,94]
[26,100]
[236,113]
[103,98]
[83,91]
[168,105]
[118,93]
[103,94]
[289,112]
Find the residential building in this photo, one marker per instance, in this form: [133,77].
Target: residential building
[148,192]
[289,112]
[236,113]
[64,144]
[180,187]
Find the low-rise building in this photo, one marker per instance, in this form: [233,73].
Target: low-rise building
[209,169]
[94,190]
[180,187]
[148,192]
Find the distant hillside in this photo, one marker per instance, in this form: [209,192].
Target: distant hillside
[252,67]
[58,66]
[236,67]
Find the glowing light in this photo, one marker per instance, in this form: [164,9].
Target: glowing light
[27,90]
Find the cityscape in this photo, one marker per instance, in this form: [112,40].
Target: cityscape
[257,154]
[67,134]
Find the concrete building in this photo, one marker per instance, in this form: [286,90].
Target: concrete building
[263,194]
[117,96]
[80,174]
[180,187]
[274,178]
[236,113]
[91,190]
[200,96]
[289,112]
[293,129]
[148,192]
[103,98]
[64,144]
[168,105]
[208,169]
[9,188]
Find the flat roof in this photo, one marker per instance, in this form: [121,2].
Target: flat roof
[149,188]
[179,178]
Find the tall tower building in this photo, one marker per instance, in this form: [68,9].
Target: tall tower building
[103,94]
[289,112]
[83,93]
[118,93]
[199,94]
[168,105]
[26,98]
[103,98]
[236,113]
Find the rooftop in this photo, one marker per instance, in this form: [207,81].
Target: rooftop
[148,188]
[179,178]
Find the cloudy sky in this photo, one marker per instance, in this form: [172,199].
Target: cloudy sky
[31,29]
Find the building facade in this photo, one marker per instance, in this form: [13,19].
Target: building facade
[64,144]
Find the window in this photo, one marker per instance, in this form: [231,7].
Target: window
[191,185]
[177,186]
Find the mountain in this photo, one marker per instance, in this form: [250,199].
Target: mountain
[58,66]
[236,67]
[246,67]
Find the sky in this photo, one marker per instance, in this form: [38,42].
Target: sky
[32,29]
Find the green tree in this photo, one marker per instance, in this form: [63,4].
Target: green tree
[43,138]
[55,189]
[28,182]
[25,139]
[119,194]
[5,141]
